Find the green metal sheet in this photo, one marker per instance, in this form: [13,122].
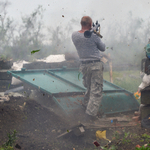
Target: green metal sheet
[76,77]
[117,102]
[65,85]
[48,81]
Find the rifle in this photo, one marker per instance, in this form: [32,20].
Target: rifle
[95,29]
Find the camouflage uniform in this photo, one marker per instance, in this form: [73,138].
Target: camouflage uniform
[93,81]
[89,50]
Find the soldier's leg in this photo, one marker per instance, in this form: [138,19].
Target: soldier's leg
[88,86]
[95,92]
[86,82]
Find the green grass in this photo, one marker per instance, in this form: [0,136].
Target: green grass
[146,136]
[116,135]
[8,145]
[129,80]
[144,148]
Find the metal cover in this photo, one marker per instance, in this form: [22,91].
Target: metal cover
[67,89]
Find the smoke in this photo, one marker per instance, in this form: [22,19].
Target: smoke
[128,40]
[128,35]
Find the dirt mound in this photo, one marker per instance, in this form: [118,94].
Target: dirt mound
[37,129]
[35,125]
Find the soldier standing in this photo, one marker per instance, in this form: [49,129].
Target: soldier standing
[91,66]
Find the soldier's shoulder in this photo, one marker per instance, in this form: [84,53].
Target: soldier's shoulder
[74,33]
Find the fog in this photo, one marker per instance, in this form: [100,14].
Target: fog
[40,32]
[48,26]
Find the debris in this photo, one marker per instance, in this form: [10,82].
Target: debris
[62,15]
[82,129]
[104,60]
[22,107]
[78,130]
[145,145]
[96,144]
[4,98]
[64,134]
[101,135]
[136,118]
[53,131]
[138,146]
[20,88]
[137,113]
[137,95]
[34,51]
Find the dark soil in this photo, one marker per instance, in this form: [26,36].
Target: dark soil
[37,129]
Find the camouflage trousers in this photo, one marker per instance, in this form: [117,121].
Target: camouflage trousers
[93,81]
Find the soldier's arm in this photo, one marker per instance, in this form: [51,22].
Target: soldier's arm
[99,43]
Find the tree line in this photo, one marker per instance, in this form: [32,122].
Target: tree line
[125,41]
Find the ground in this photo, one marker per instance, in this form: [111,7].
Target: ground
[37,128]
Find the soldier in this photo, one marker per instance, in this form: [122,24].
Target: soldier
[91,66]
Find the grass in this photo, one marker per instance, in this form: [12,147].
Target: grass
[146,136]
[144,148]
[136,136]
[128,139]
[116,135]
[8,145]
[129,80]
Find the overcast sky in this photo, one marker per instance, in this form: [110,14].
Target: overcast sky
[109,10]
[114,16]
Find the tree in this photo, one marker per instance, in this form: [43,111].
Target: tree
[7,29]
[30,36]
